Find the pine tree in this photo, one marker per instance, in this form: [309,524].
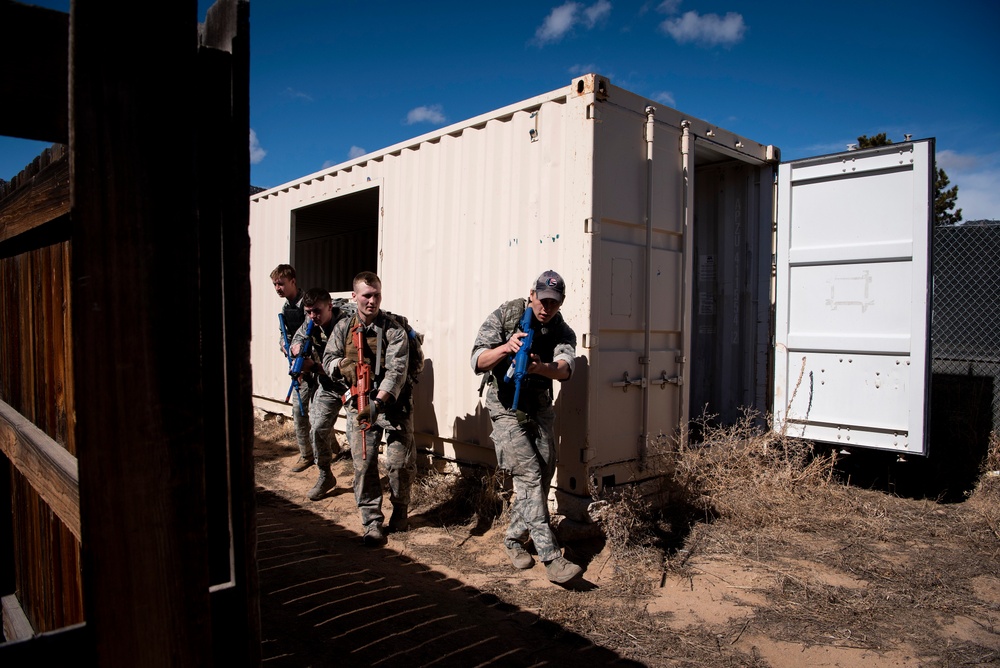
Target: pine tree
[864,141]
[944,200]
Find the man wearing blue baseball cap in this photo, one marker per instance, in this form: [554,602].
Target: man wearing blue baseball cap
[519,398]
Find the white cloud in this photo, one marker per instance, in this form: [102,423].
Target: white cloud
[563,18]
[588,68]
[669,6]
[431,114]
[950,160]
[665,97]
[596,13]
[297,94]
[256,152]
[978,197]
[352,153]
[977,177]
[557,23]
[706,29]
[828,147]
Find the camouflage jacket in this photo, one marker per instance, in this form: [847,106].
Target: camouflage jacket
[553,341]
[294,315]
[389,372]
[319,339]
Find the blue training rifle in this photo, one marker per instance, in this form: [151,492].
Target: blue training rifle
[519,369]
[295,362]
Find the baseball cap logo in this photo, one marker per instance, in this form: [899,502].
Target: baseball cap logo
[550,285]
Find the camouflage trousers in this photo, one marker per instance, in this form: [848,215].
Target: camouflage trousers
[400,462]
[300,417]
[324,407]
[528,452]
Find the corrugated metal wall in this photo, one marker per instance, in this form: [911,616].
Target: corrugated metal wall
[469,218]
[470,215]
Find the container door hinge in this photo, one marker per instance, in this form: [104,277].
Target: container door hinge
[591,226]
[589,340]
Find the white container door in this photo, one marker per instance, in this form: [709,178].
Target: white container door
[852,297]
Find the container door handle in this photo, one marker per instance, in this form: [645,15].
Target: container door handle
[627,382]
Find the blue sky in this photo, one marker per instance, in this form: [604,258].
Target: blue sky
[333,79]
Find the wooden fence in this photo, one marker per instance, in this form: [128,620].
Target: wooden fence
[126,480]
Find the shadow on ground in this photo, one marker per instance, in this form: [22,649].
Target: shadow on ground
[327,600]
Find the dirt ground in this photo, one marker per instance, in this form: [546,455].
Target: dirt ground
[824,574]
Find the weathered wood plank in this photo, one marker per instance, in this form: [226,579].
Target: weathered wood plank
[224,213]
[15,623]
[136,259]
[39,200]
[224,235]
[47,466]
[136,337]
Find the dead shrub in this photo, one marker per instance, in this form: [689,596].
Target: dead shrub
[625,520]
[631,530]
[985,497]
[472,494]
[744,471]
[272,428]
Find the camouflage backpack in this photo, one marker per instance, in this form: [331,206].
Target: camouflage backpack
[415,363]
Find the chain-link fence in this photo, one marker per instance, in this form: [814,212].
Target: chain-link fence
[965,326]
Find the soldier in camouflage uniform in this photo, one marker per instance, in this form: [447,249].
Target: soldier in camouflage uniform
[283,279]
[389,410]
[523,436]
[325,393]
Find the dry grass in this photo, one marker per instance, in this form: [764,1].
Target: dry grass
[458,497]
[890,566]
[985,498]
[846,567]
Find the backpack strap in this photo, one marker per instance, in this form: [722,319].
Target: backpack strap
[512,312]
[378,353]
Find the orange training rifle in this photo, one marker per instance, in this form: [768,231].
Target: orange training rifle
[364,384]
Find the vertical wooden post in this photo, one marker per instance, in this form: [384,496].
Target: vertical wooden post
[137,355]
[224,212]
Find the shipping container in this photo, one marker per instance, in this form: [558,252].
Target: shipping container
[696,282]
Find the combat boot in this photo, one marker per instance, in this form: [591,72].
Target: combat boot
[301,465]
[518,556]
[560,570]
[374,536]
[398,521]
[324,484]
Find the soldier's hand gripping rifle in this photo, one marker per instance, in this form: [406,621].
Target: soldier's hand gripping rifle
[295,362]
[364,385]
[518,370]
